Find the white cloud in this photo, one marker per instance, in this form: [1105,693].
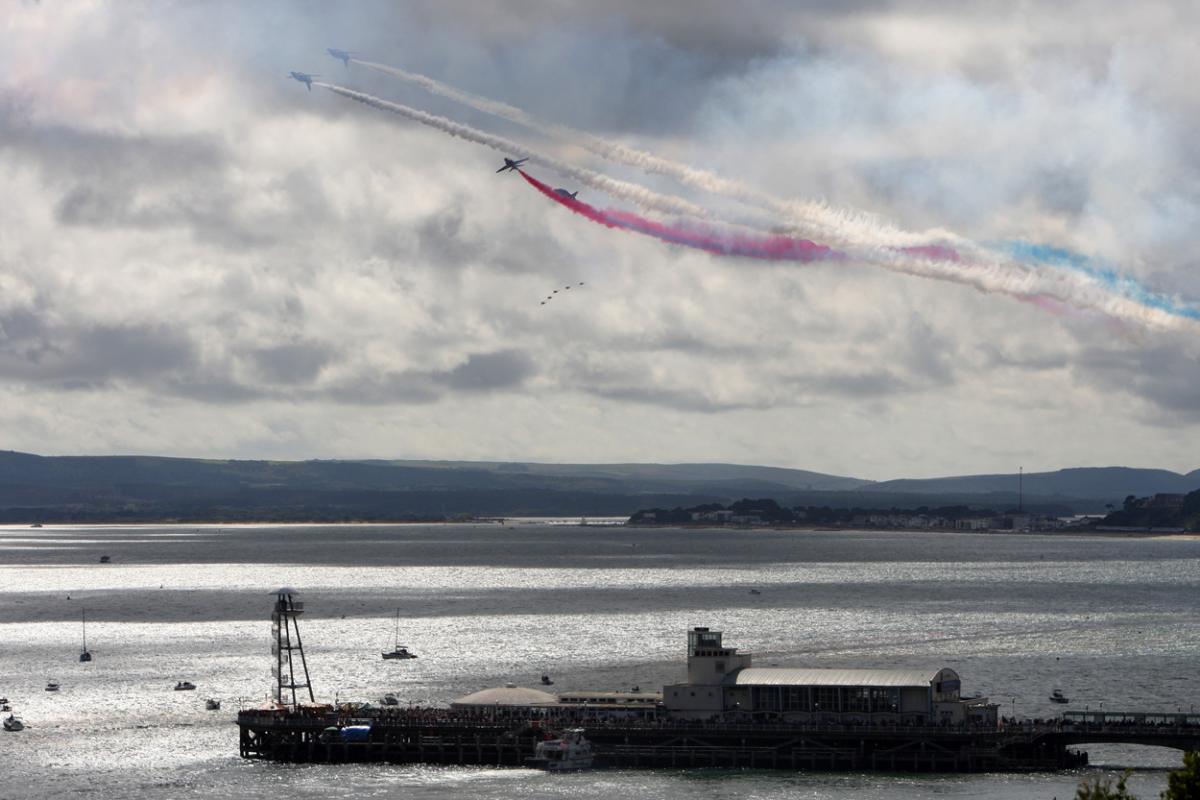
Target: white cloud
[206,259]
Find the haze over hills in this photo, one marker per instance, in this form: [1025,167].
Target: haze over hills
[146,488]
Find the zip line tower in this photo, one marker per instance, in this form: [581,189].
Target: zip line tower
[287,648]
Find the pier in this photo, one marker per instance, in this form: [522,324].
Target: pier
[437,736]
[728,714]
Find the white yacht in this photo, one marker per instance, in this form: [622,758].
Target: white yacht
[398,650]
[570,751]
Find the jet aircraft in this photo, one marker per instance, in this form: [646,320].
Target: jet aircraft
[566,194]
[343,55]
[509,164]
[304,78]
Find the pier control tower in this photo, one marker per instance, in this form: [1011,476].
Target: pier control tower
[708,660]
[287,648]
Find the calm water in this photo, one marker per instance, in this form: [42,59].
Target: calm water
[1112,621]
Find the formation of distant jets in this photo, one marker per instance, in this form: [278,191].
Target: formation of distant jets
[550,296]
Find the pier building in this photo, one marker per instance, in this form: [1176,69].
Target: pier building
[724,683]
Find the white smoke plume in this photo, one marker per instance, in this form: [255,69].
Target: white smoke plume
[974,266]
[646,198]
[834,226]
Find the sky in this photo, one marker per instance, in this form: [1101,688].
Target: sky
[200,257]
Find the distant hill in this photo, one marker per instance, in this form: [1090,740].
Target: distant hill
[147,488]
[1110,484]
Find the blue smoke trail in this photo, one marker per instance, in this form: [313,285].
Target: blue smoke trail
[1106,276]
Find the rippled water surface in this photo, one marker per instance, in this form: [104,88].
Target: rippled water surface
[1109,620]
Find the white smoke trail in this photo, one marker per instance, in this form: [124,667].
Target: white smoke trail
[834,226]
[640,195]
[981,269]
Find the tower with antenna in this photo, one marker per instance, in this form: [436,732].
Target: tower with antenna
[290,668]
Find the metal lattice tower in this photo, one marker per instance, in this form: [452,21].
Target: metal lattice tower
[287,648]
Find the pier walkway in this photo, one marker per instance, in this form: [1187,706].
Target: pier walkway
[441,736]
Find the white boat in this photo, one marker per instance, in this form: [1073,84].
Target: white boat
[13,723]
[51,687]
[84,655]
[212,704]
[569,752]
[1057,696]
[184,686]
[398,650]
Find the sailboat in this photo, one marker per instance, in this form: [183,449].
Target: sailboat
[398,651]
[84,655]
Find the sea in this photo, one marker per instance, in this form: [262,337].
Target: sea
[1112,621]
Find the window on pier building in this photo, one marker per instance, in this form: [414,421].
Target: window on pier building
[856,698]
[766,698]
[885,699]
[797,698]
[827,699]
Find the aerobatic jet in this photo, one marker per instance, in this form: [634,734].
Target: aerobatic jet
[304,78]
[343,55]
[509,164]
[564,193]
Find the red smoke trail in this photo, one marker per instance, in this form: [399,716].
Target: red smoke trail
[770,248]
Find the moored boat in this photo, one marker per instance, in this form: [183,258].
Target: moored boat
[84,655]
[398,650]
[184,686]
[212,704]
[52,686]
[1057,696]
[569,752]
[13,723]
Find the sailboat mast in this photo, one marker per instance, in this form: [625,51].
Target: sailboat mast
[83,617]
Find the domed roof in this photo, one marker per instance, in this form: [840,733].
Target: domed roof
[508,695]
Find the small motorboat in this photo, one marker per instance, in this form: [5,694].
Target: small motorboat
[36,525]
[13,723]
[52,687]
[212,704]
[389,700]
[546,681]
[1057,696]
[569,752]
[105,559]
[755,591]
[184,686]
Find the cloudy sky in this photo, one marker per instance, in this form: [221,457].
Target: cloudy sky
[199,257]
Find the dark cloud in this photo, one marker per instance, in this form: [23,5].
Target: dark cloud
[89,355]
[293,363]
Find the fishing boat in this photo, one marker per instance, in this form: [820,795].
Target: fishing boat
[184,686]
[13,723]
[569,752]
[52,686]
[212,704]
[389,700]
[1057,696]
[398,650]
[84,655]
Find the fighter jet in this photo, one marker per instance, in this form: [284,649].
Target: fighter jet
[304,78]
[343,55]
[566,194]
[509,164]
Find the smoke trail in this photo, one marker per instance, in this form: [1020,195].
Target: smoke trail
[966,264]
[1056,293]
[771,248]
[848,229]
[838,225]
[640,195]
